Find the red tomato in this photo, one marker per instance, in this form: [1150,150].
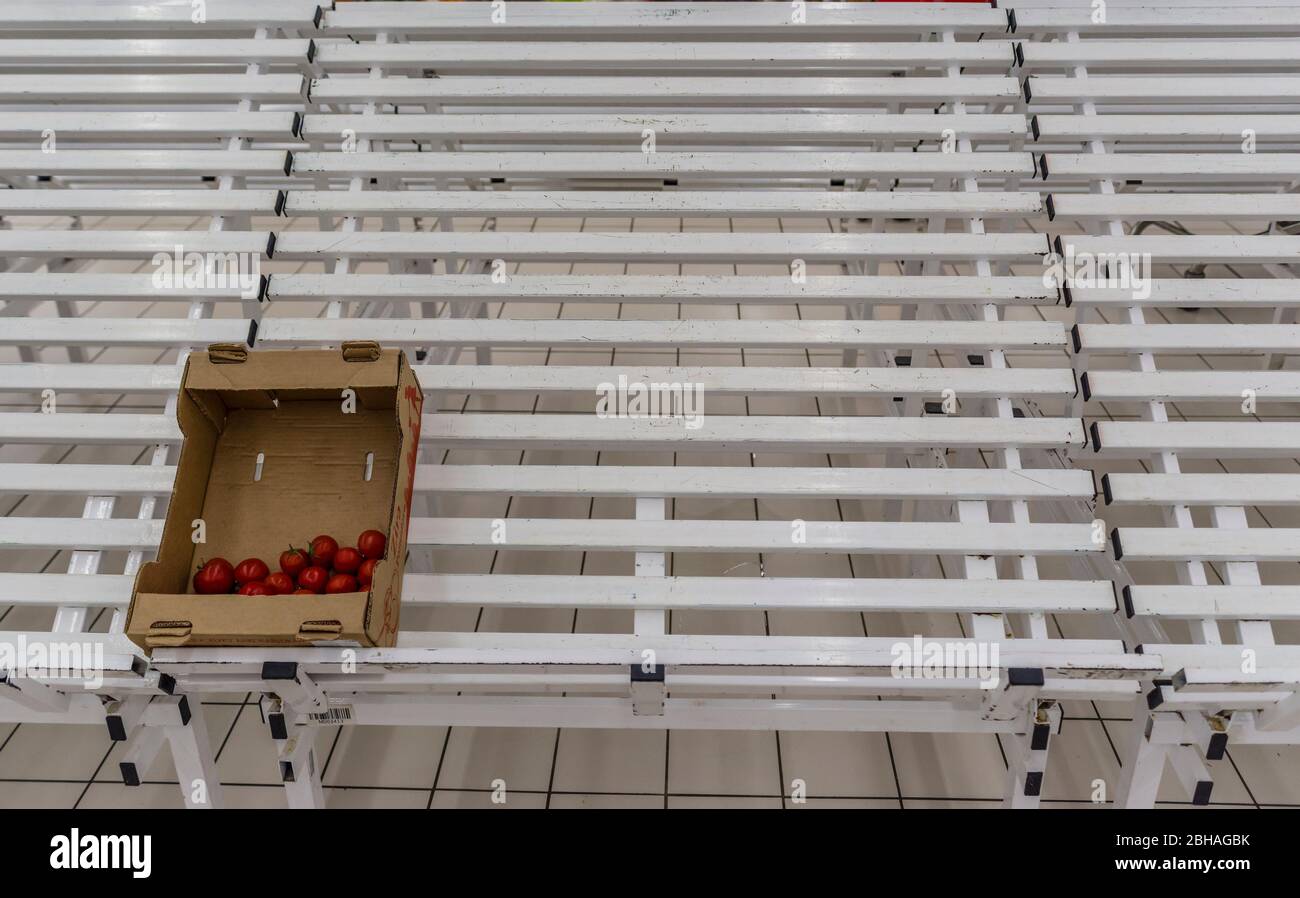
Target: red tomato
[303,592]
[256,588]
[322,550]
[371,544]
[366,573]
[314,579]
[341,583]
[214,577]
[347,560]
[251,570]
[280,583]
[293,562]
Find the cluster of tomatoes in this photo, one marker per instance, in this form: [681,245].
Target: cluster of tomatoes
[323,568]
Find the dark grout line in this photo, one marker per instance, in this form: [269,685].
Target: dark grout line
[437,772]
[11,735]
[1241,776]
[216,755]
[329,756]
[667,749]
[93,776]
[550,780]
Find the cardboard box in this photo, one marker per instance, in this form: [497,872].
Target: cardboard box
[320,421]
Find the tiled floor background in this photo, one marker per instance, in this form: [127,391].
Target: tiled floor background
[66,766]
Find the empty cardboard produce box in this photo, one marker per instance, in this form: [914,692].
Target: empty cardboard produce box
[281,446]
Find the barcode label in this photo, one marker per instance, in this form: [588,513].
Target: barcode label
[332,716]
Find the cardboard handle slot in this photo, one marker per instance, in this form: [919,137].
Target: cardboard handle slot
[227,353]
[361,351]
[168,633]
[313,630]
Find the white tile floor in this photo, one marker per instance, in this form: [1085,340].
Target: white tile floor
[67,766]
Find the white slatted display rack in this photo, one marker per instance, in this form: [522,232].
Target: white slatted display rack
[474,126]
[197,164]
[1181,150]
[388,163]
